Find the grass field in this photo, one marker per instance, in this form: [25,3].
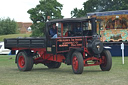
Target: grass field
[13,36]
[41,75]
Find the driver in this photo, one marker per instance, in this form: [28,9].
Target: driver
[53,31]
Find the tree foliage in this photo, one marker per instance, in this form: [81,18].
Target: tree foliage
[77,13]
[99,6]
[39,15]
[7,26]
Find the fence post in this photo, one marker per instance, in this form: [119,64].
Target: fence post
[122,48]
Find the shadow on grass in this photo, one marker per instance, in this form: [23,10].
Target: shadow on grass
[47,70]
[92,71]
[59,71]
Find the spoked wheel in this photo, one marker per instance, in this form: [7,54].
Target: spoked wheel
[53,64]
[107,60]
[77,62]
[24,61]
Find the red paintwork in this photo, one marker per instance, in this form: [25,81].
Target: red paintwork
[59,38]
[61,29]
[98,61]
[45,58]
[21,61]
[104,61]
[75,63]
[86,51]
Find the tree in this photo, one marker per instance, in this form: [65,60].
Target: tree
[99,6]
[7,26]
[40,13]
[77,12]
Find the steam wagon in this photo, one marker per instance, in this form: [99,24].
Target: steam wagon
[77,43]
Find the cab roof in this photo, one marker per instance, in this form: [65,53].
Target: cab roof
[69,20]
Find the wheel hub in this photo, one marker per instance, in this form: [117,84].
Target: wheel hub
[75,63]
[21,61]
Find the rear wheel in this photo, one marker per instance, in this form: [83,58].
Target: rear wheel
[107,60]
[53,64]
[77,62]
[24,61]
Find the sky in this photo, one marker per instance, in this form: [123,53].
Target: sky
[17,9]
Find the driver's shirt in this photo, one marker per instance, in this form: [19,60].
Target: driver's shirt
[53,32]
[78,29]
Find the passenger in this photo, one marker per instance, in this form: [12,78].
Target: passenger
[78,28]
[53,31]
[66,33]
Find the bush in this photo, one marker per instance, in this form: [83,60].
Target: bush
[7,26]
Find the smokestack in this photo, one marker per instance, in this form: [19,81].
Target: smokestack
[94,30]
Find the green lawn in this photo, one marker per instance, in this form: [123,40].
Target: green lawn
[41,75]
[13,36]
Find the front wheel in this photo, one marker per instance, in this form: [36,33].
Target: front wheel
[107,60]
[24,61]
[77,62]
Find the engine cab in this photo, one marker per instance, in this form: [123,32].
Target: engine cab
[73,33]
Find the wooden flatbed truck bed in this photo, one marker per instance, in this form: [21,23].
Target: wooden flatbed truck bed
[30,42]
